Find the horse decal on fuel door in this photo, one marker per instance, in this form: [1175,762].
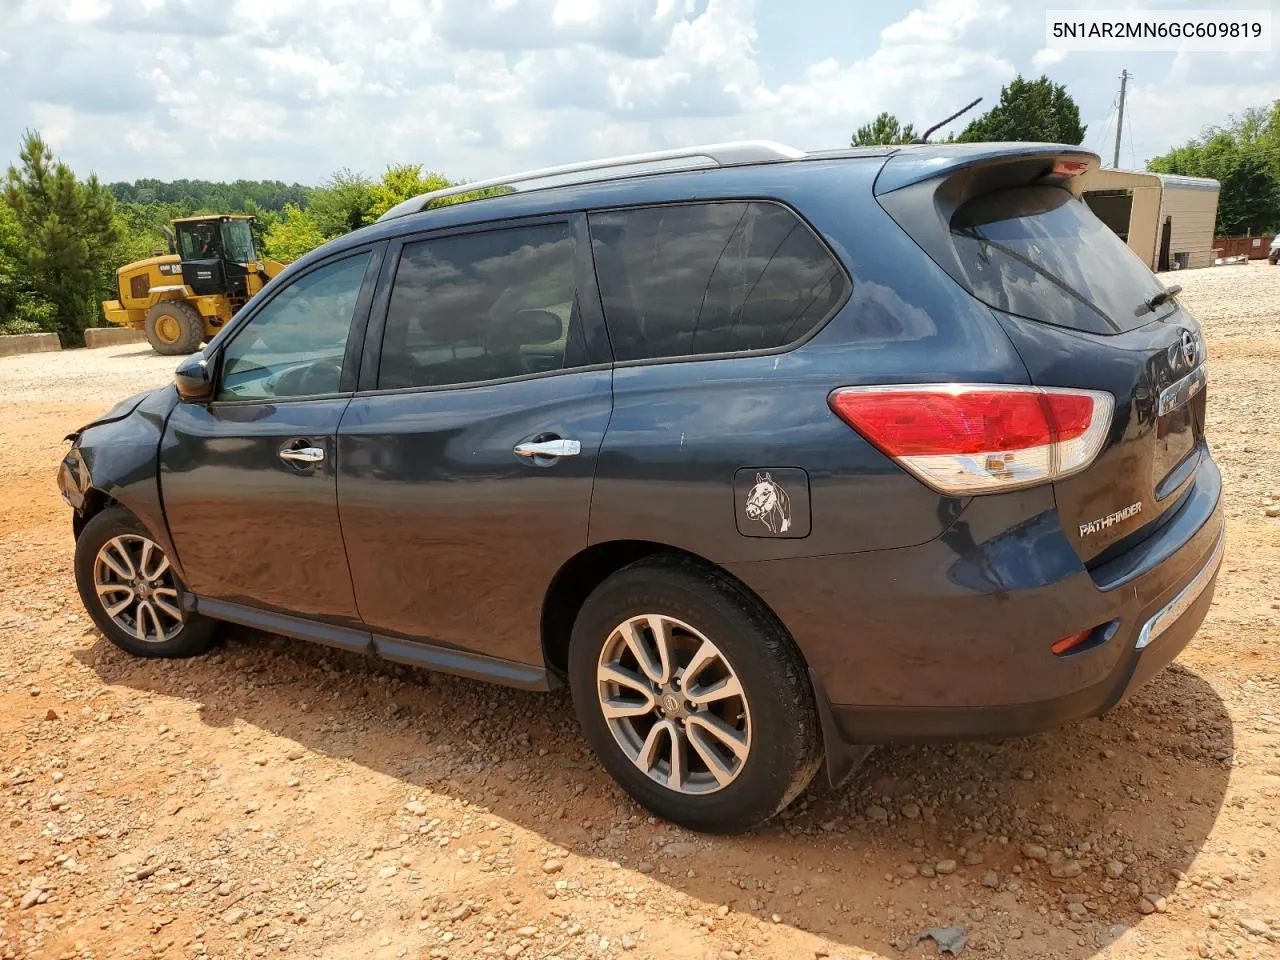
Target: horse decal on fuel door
[770,504]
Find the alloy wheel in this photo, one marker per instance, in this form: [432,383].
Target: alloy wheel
[674,704]
[137,589]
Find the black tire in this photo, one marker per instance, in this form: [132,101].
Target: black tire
[784,746]
[194,635]
[1273,257]
[189,328]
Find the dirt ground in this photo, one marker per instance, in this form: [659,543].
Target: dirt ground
[275,797]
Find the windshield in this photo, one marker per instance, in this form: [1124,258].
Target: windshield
[1041,253]
[237,241]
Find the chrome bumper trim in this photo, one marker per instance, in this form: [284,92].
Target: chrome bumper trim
[1188,595]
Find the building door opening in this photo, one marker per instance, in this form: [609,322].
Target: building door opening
[1112,207]
[1166,237]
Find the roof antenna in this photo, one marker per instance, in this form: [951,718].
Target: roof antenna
[924,137]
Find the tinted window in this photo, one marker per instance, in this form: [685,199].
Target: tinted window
[483,306]
[711,278]
[1041,253]
[293,347]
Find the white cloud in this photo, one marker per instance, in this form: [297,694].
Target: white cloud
[295,89]
[1045,58]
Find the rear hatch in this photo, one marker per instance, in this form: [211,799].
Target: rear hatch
[1083,311]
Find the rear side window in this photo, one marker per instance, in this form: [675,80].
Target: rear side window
[1040,253]
[705,278]
[483,306]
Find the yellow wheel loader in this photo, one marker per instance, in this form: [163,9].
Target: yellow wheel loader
[183,298]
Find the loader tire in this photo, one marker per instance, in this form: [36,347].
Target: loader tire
[174,328]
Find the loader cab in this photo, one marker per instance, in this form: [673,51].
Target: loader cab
[216,253]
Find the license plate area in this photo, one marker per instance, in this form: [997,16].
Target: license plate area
[1177,427]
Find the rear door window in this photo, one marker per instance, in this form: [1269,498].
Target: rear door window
[1040,253]
[711,278]
[483,306]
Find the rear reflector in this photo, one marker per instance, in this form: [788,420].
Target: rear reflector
[964,439]
[1071,642]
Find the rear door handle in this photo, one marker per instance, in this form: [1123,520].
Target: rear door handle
[302,454]
[548,448]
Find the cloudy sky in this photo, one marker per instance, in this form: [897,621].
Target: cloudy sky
[295,89]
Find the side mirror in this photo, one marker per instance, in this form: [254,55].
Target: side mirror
[194,379]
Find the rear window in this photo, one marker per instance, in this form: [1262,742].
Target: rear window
[1041,253]
[706,278]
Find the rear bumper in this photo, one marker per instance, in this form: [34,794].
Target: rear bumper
[1137,666]
[951,639]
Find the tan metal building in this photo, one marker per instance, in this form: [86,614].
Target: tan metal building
[1166,220]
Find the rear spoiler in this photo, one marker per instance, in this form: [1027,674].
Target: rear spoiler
[1016,162]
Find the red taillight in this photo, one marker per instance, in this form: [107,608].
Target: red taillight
[979,438]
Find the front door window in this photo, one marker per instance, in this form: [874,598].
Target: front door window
[294,346]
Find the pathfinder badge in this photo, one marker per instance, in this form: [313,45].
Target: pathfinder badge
[1093,526]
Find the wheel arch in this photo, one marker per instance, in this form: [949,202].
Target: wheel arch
[95,501]
[589,568]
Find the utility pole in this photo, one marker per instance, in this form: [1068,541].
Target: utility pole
[1124,79]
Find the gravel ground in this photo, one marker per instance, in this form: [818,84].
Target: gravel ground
[274,797]
[100,376]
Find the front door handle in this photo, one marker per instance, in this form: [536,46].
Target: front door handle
[548,448]
[302,454]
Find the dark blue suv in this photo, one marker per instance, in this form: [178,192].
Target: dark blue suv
[770,456]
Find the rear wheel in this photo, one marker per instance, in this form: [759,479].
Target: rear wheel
[693,696]
[174,328]
[131,591]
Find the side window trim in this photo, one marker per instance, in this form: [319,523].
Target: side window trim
[590,306]
[355,338]
[787,347]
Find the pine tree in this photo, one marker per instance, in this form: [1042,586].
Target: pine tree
[71,233]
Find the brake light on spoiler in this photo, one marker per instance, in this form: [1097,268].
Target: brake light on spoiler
[1069,168]
[964,439]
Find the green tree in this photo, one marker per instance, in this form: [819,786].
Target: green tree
[1029,110]
[71,235]
[883,129]
[16,299]
[193,195]
[293,234]
[403,182]
[1244,157]
[343,204]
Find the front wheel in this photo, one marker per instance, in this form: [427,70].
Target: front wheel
[174,328]
[693,696]
[131,591]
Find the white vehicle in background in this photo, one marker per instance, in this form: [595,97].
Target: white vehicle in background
[1273,255]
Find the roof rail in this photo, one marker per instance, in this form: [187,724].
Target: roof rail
[719,155]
